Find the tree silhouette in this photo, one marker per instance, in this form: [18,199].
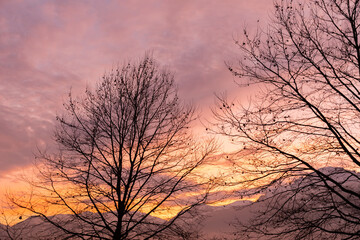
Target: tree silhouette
[125,153]
[301,133]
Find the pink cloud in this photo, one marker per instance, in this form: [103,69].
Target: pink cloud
[46,47]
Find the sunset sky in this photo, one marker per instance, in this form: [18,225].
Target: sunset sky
[48,47]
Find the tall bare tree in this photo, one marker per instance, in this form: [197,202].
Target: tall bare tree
[301,133]
[125,153]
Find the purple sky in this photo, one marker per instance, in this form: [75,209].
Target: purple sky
[47,47]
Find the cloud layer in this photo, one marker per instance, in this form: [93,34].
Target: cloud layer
[48,47]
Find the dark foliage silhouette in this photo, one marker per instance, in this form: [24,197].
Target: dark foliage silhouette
[304,117]
[125,153]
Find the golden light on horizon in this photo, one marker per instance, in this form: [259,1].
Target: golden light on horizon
[12,215]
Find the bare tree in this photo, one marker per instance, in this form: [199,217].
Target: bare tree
[125,154]
[301,133]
